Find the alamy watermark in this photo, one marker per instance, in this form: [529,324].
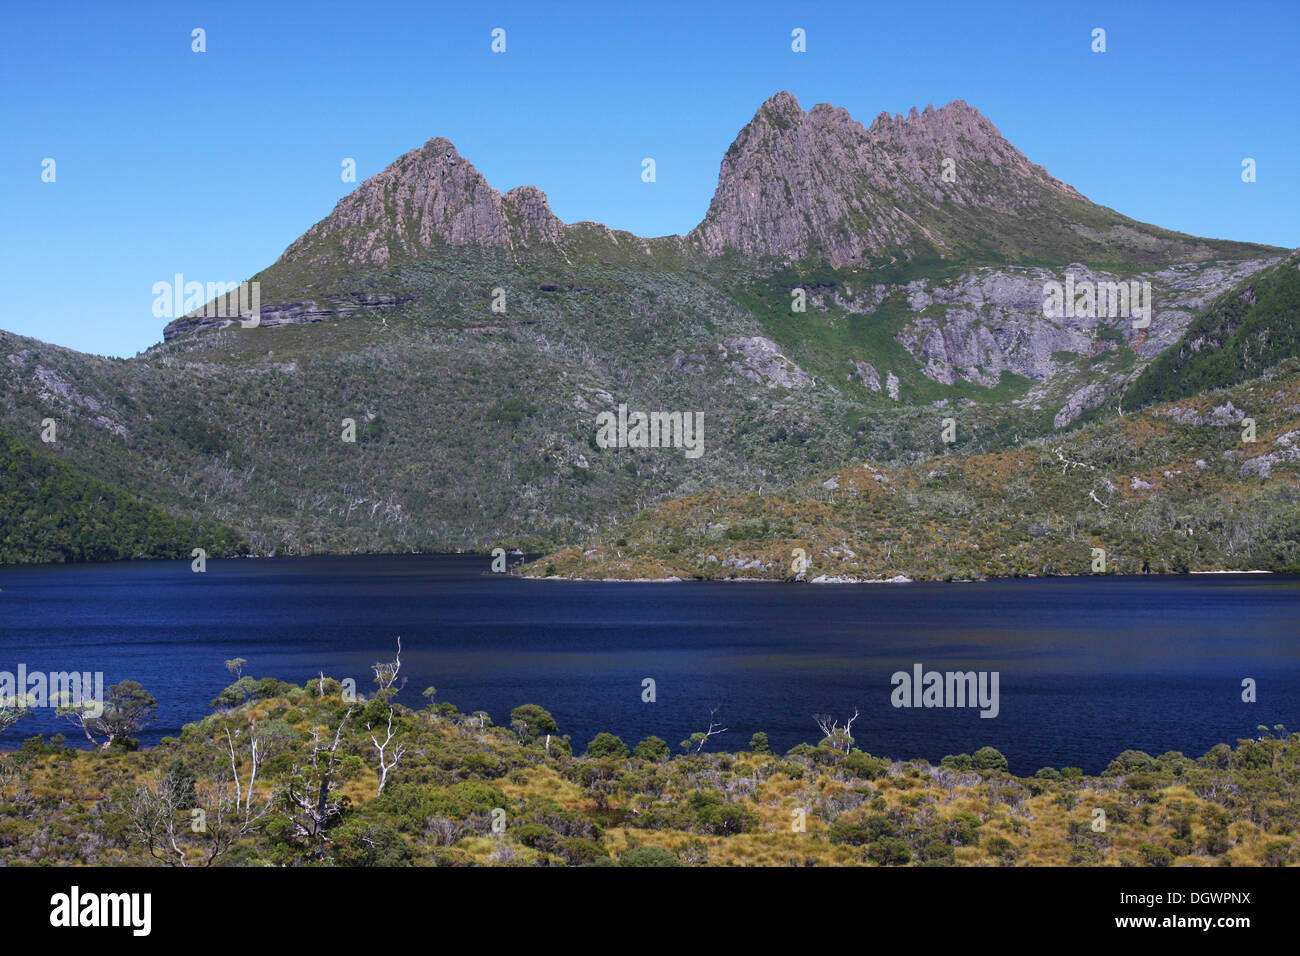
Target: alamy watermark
[1091,300]
[922,688]
[235,300]
[28,690]
[651,430]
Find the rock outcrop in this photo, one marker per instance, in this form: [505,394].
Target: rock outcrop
[819,185]
[430,195]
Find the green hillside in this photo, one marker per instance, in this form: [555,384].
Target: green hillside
[1174,488]
[1235,338]
[50,512]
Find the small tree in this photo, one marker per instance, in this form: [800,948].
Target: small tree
[759,744]
[311,795]
[390,752]
[236,667]
[531,722]
[273,737]
[14,709]
[701,737]
[835,736]
[607,745]
[653,749]
[986,758]
[128,709]
[386,675]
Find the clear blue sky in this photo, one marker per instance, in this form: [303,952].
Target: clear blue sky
[210,164]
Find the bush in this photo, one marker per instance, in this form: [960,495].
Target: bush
[1155,855]
[890,852]
[649,856]
[653,749]
[411,804]
[1002,848]
[987,759]
[864,765]
[607,745]
[360,843]
[577,851]
[1130,761]
[1277,852]
[963,829]
[870,830]
[536,837]
[758,743]
[719,818]
[530,722]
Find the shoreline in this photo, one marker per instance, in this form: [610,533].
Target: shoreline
[840,579]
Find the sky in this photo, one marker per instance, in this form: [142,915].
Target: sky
[209,164]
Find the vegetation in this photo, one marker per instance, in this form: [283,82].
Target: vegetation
[1175,488]
[1240,334]
[298,775]
[475,429]
[51,512]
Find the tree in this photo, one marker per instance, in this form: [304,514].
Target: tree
[653,749]
[530,722]
[14,709]
[236,667]
[388,759]
[311,794]
[986,758]
[386,675]
[173,817]
[272,737]
[128,709]
[607,745]
[700,738]
[758,743]
[835,736]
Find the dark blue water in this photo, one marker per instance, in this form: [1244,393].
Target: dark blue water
[1088,666]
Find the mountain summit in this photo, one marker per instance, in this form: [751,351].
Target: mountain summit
[820,185]
[813,186]
[429,194]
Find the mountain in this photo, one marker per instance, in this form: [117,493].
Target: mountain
[819,186]
[1243,332]
[815,188]
[472,339]
[1173,489]
[50,512]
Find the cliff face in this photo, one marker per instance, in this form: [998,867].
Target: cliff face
[815,187]
[819,185]
[427,196]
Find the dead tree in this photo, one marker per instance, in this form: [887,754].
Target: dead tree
[840,738]
[386,675]
[311,794]
[699,739]
[178,831]
[264,742]
[389,760]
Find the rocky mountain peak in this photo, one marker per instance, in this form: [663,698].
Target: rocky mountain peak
[798,185]
[428,196]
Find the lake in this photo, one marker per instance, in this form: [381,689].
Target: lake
[1087,667]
